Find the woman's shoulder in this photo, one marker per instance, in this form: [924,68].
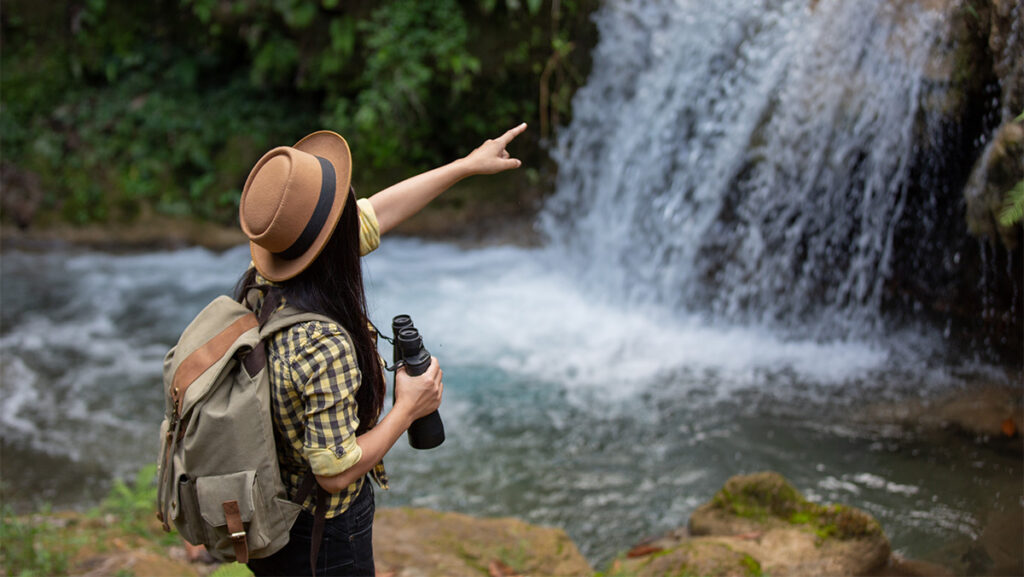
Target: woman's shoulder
[311,339]
[314,329]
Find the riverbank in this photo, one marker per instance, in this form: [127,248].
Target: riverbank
[473,215]
[499,210]
[756,525]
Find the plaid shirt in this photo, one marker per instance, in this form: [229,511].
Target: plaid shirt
[314,377]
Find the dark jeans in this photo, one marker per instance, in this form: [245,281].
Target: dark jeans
[346,549]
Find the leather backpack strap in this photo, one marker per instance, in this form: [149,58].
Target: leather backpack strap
[236,529]
[309,485]
[256,359]
[271,301]
[319,520]
[308,482]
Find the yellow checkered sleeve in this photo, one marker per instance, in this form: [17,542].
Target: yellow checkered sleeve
[369,228]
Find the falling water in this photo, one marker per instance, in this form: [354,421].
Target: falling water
[757,162]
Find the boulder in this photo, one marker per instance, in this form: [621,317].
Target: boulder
[759,524]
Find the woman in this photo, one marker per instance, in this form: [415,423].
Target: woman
[307,232]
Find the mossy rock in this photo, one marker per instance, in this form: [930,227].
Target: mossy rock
[762,516]
[760,501]
[758,496]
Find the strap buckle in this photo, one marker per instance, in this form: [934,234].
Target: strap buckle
[234,521]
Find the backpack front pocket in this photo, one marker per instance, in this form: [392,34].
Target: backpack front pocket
[230,505]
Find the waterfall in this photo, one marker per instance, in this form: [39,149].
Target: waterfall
[745,160]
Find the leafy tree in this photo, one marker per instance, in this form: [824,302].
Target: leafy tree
[126,107]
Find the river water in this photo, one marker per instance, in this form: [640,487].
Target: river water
[612,422]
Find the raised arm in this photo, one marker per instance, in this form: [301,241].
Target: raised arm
[400,201]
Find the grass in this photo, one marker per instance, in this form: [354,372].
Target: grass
[752,566]
[49,544]
[31,546]
[232,570]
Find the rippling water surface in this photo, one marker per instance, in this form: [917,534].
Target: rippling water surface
[613,423]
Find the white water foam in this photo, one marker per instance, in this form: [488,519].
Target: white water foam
[520,309]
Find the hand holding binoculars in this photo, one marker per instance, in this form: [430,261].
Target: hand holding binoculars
[426,432]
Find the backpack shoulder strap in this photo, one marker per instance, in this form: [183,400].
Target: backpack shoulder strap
[272,320]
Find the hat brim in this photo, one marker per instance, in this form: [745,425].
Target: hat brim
[334,148]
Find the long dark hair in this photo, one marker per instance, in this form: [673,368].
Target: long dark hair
[333,286]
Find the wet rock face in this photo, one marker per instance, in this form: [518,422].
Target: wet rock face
[1006,41]
[985,54]
[953,259]
[990,38]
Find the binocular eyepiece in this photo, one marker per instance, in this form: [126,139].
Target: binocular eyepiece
[426,432]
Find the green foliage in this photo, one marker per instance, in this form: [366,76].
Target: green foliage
[1013,200]
[417,61]
[124,107]
[800,518]
[232,570]
[751,565]
[43,544]
[133,505]
[1013,207]
[30,547]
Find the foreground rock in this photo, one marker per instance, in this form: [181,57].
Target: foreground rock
[425,543]
[760,525]
[407,543]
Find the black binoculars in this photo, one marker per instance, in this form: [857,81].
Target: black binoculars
[426,432]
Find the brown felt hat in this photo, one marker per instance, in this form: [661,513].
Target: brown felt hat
[292,201]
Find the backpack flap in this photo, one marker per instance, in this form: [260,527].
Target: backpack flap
[213,492]
[227,504]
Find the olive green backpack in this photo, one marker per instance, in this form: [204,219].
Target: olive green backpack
[219,481]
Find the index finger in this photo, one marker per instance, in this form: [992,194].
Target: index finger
[511,133]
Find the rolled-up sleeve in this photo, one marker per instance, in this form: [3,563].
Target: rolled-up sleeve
[327,374]
[369,228]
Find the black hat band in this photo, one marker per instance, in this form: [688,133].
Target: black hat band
[320,213]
